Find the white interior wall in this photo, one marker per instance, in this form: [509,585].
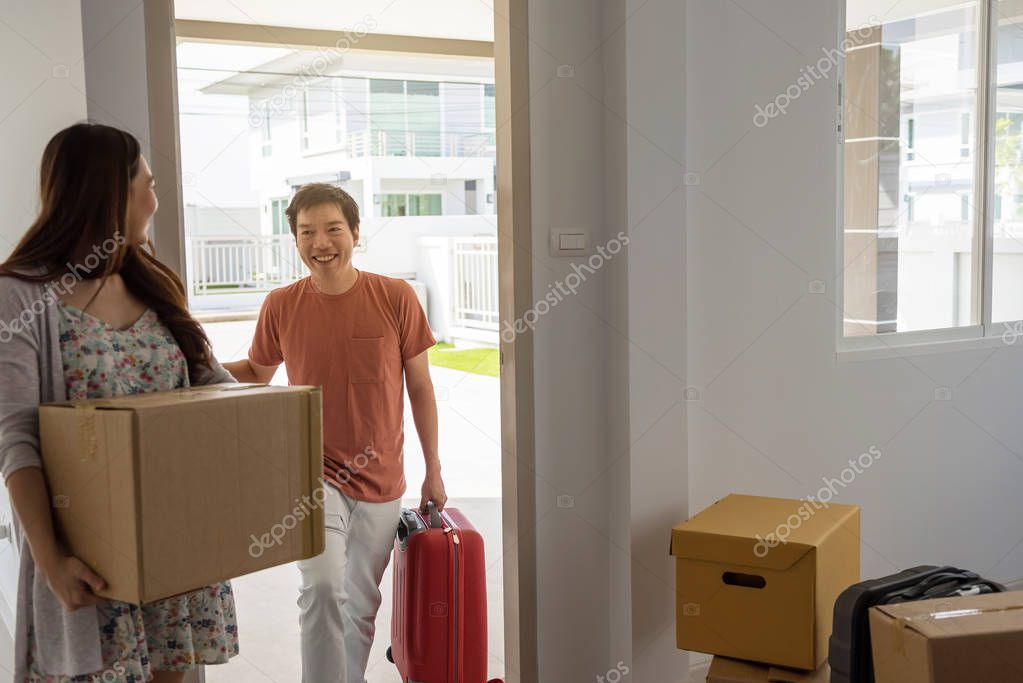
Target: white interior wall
[45,93]
[115,71]
[777,412]
[124,51]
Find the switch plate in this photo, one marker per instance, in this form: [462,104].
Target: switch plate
[568,242]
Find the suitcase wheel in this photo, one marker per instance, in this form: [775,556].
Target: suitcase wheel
[390,656]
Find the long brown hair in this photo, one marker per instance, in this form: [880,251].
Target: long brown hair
[84,185]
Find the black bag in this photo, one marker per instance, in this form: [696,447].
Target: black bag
[849,652]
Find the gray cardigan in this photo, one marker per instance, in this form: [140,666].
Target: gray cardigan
[31,372]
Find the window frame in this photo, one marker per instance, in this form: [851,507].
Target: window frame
[408,203]
[277,207]
[981,332]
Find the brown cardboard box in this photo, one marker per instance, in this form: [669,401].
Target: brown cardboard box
[726,670]
[165,492]
[949,640]
[743,593]
[781,675]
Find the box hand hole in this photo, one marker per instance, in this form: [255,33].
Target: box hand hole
[744,580]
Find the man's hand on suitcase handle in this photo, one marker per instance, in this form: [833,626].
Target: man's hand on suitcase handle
[433,490]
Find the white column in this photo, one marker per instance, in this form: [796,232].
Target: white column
[131,83]
[659,474]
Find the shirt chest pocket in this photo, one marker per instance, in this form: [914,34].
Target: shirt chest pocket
[367,360]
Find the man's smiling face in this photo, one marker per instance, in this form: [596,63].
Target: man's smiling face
[325,240]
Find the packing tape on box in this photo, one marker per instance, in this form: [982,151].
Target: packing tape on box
[901,623]
[87,430]
[86,412]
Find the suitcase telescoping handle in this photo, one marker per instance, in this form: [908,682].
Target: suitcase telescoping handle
[435,520]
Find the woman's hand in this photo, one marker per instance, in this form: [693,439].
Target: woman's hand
[70,580]
[73,583]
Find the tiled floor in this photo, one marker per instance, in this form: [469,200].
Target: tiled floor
[268,615]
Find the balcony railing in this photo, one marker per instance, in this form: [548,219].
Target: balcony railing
[246,264]
[381,143]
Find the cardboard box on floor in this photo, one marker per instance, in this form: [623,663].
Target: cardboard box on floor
[166,492]
[742,593]
[949,640]
[726,670]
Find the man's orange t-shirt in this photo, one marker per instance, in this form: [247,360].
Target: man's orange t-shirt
[354,346]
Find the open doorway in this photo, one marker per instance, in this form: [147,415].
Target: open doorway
[407,126]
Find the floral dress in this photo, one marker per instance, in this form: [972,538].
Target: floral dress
[180,632]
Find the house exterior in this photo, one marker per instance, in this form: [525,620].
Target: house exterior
[412,139]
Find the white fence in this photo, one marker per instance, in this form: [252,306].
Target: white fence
[251,264]
[475,282]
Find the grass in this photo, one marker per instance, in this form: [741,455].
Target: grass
[484,361]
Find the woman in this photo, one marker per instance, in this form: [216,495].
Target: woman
[86,311]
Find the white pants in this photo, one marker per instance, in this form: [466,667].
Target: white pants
[340,592]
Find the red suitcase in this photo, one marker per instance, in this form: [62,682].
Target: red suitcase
[439,623]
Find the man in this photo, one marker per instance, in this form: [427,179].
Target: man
[357,335]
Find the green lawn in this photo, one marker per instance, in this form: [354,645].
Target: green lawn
[479,361]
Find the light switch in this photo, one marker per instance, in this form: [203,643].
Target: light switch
[567,242]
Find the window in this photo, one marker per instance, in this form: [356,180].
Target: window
[410,205]
[917,174]
[335,115]
[424,204]
[278,217]
[387,117]
[405,118]
[465,121]
[490,113]
[423,111]
[1007,178]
